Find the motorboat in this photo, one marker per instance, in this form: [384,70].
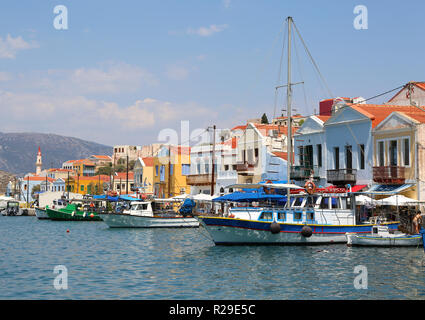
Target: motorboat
[13,209]
[319,218]
[41,213]
[381,235]
[159,213]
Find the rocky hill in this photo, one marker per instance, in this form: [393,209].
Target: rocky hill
[18,151]
[5,177]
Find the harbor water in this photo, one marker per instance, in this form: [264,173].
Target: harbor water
[104,263]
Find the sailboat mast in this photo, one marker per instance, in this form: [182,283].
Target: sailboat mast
[288,103]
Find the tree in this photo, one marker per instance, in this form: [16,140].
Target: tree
[264,119]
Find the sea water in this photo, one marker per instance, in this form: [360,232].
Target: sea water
[103,263]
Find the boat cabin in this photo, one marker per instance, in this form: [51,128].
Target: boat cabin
[326,208]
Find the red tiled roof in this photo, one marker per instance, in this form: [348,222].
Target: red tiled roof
[123,175]
[377,113]
[283,155]
[101,157]
[148,161]
[38,178]
[323,118]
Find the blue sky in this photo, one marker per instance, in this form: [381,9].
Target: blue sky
[125,70]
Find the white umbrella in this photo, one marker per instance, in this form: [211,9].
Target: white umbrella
[398,200]
[362,199]
[203,197]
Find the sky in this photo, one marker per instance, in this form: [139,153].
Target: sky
[123,71]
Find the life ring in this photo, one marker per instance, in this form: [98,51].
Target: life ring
[231,216]
[310,187]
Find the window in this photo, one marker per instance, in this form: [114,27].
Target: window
[82,188]
[266,215]
[348,157]
[319,155]
[234,167]
[207,168]
[406,152]
[298,215]
[336,155]
[185,169]
[226,167]
[298,202]
[171,169]
[335,203]
[361,156]
[156,171]
[381,159]
[310,215]
[393,152]
[281,215]
[324,203]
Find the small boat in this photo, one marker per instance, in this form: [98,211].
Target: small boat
[41,213]
[149,214]
[72,212]
[382,236]
[12,209]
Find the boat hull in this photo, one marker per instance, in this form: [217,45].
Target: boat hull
[228,231]
[41,214]
[117,220]
[62,215]
[366,240]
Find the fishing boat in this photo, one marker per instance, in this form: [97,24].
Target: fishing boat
[13,209]
[382,236]
[72,212]
[316,218]
[157,213]
[41,213]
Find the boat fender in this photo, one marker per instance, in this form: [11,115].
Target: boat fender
[275,228]
[73,213]
[306,232]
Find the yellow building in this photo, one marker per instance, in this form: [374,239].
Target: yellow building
[87,184]
[399,157]
[143,175]
[170,170]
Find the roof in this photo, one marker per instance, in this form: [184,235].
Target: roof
[377,113]
[102,177]
[102,157]
[323,118]
[148,161]
[123,175]
[266,128]
[59,170]
[37,178]
[283,155]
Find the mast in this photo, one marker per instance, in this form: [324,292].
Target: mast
[213,163]
[288,103]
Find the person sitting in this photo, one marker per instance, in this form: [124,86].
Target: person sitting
[417,221]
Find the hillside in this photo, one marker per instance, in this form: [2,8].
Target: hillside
[18,151]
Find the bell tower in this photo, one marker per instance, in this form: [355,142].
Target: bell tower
[38,163]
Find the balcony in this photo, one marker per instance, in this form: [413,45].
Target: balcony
[341,177]
[304,172]
[199,179]
[245,168]
[389,175]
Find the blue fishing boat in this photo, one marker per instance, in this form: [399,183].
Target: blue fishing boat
[317,218]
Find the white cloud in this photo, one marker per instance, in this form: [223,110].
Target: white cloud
[207,31]
[10,46]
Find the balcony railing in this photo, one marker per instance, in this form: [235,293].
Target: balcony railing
[245,168]
[304,172]
[341,177]
[199,179]
[389,175]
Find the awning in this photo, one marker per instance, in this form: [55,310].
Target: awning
[388,189]
[250,196]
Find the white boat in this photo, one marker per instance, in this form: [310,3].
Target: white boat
[310,219]
[382,236]
[13,209]
[41,213]
[142,215]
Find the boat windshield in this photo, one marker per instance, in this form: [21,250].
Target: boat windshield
[139,206]
[13,204]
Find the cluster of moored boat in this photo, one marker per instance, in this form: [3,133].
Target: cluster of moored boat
[322,217]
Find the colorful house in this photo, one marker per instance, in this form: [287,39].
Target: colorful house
[171,168]
[143,175]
